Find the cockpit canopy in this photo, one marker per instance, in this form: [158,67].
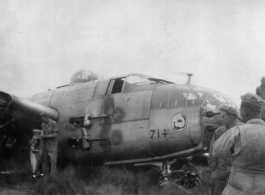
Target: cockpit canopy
[131,82]
[83,76]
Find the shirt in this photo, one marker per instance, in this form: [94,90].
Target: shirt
[48,129]
[220,164]
[247,144]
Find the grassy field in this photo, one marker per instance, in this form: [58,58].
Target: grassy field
[94,180]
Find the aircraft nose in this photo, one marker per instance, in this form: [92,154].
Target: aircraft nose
[210,114]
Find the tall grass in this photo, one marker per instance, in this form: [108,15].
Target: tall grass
[96,180]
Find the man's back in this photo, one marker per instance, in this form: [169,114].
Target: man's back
[247,143]
[250,146]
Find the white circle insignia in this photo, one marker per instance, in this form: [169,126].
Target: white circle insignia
[179,122]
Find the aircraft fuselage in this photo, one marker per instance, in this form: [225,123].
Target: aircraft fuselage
[138,118]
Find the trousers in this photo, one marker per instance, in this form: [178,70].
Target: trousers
[243,182]
[49,161]
[217,186]
[218,181]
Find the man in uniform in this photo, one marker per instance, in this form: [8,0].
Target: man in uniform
[220,167]
[246,143]
[50,150]
[260,90]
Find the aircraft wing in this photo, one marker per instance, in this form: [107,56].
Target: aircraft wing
[23,111]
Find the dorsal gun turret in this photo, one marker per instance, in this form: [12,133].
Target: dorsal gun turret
[83,76]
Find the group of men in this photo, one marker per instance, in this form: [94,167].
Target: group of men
[237,152]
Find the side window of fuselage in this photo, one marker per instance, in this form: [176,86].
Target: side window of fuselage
[116,86]
[160,100]
[192,99]
[182,98]
[177,99]
[200,97]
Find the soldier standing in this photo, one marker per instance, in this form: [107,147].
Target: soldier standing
[247,145]
[220,167]
[260,90]
[50,150]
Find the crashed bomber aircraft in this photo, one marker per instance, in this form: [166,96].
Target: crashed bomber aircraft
[131,119]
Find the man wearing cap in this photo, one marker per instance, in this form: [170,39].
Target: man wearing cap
[260,90]
[220,167]
[246,143]
[50,151]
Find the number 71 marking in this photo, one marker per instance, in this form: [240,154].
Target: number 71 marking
[153,132]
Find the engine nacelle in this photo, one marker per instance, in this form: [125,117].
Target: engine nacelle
[23,107]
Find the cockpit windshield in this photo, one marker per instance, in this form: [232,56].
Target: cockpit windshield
[215,100]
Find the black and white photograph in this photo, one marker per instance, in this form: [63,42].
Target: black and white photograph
[132,97]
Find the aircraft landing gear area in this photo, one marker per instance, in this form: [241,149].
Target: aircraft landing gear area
[183,174]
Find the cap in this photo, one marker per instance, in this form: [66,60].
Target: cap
[253,101]
[43,114]
[229,109]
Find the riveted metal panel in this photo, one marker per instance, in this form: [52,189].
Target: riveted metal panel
[126,140]
[164,138]
[101,88]
[72,94]
[123,107]
[72,100]
[43,98]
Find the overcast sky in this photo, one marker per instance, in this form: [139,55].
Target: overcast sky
[42,43]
